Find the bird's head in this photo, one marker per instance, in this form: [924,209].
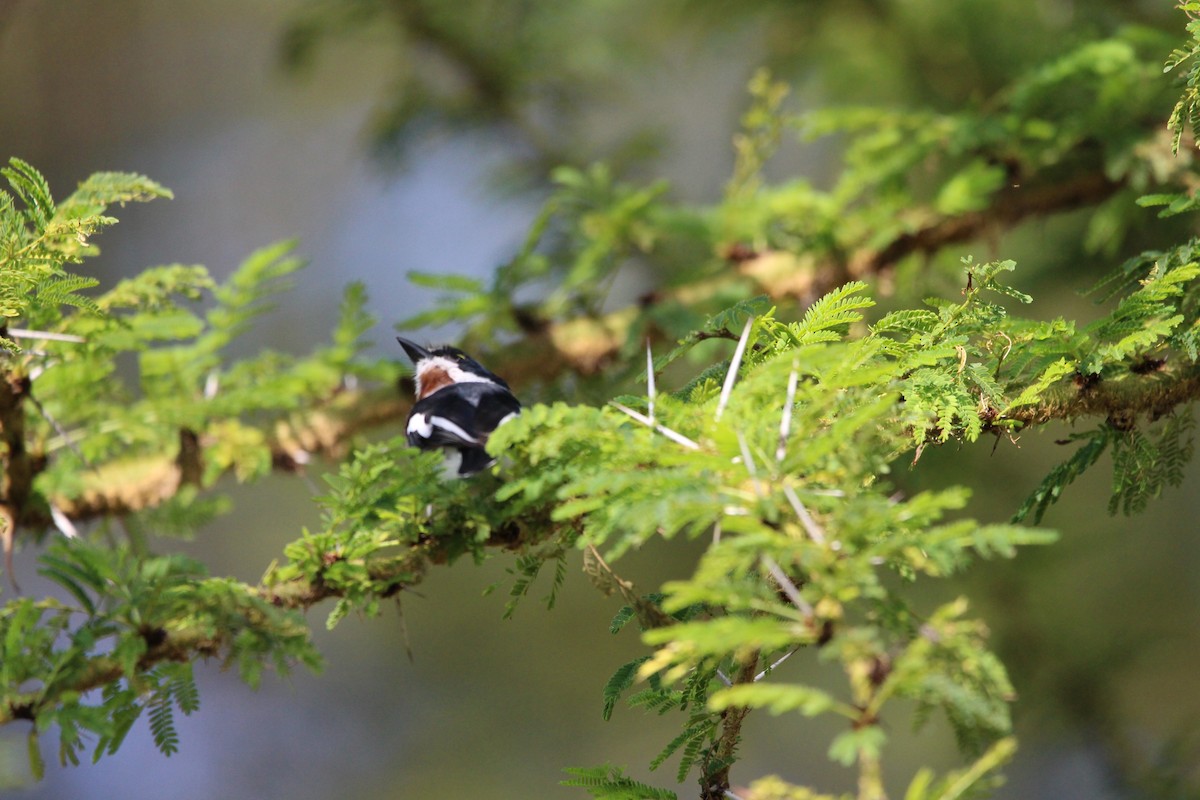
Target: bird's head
[436,368]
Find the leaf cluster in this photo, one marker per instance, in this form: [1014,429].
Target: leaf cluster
[135,625]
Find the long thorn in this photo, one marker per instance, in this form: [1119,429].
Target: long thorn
[62,432]
[748,460]
[731,375]
[778,661]
[650,379]
[63,522]
[663,429]
[22,333]
[810,524]
[785,424]
[789,588]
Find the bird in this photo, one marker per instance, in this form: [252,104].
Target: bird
[459,403]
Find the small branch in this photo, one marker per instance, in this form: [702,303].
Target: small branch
[17,478]
[583,345]
[606,579]
[103,670]
[190,644]
[715,783]
[1010,207]
[123,487]
[1153,394]
[301,594]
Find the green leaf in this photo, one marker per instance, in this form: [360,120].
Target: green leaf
[1033,392]
[848,745]
[778,698]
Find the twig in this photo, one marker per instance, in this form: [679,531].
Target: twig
[715,783]
[8,529]
[648,614]
[1008,208]
[321,433]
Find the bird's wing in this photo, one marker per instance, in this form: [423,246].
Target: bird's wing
[461,415]
[493,404]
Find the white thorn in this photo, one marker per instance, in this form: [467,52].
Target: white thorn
[731,376]
[785,424]
[663,429]
[778,661]
[748,460]
[23,333]
[650,380]
[63,522]
[810,524]
[789,588]
[212,384]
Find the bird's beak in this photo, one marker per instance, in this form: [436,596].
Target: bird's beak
[414,350]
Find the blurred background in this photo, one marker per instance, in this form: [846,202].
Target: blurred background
[417,134]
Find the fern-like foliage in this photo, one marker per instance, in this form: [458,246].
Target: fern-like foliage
[39,238]
[118,631]
[1144,465]
[611,783]
[1185,116]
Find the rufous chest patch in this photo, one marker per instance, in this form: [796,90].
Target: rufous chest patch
[430,380]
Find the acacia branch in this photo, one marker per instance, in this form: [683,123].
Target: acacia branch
[1120,401]
[586,345]
[127,486]
[715,781]
[99,671]
[168,643]
[1010,207]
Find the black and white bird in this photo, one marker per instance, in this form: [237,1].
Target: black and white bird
[459,403]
